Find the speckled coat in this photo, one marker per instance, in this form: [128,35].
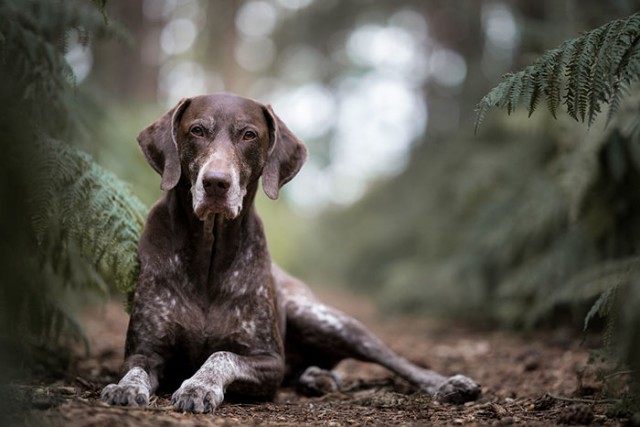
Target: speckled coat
[212,315]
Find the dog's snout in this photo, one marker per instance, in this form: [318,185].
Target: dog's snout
[216,183]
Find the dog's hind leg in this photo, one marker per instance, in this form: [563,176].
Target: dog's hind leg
[318,336]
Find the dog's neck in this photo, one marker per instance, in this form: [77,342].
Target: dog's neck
[219,242]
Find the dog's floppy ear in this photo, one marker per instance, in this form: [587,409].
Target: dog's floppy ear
[159,145]
[287,154]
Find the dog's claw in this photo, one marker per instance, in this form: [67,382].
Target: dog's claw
[197,398]
[125,395]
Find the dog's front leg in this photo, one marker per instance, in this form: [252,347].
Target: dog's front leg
[256,376]
[148,342]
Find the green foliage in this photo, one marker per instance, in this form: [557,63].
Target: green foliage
[68,227]
[79,204]
[600,67]
[583,73]
[522,227]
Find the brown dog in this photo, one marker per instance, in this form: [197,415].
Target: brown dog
[210,309]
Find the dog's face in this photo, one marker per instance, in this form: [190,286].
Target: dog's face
[222,144]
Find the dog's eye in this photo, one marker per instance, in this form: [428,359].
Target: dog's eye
[249,135]
[197,131]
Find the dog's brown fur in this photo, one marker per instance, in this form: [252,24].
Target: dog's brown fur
[211,313]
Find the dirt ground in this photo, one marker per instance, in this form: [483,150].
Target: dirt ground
[539,379]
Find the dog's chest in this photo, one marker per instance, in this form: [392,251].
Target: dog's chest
[232,308]
[239,318]
[218,324]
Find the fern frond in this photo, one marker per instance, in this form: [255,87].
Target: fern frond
[551,78]
[515,93]
[582,73]
[602,66]
[602,306]
[44,252]
[624,39]
[577,52]
[533,89]
[490,100]
[82,203]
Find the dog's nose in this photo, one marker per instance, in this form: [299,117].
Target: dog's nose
[216,183]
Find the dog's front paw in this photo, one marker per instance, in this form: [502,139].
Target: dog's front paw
[194,396]
[457,389]
[125,395]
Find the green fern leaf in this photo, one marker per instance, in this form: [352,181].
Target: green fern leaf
[97,213]
[603,66]
[533,90]
[623,41]
[551,66]
[591,85]
[49,255]
[576,50]
[492,99]
[601,307]
[595,68]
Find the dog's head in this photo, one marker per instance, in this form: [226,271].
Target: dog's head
[222,143]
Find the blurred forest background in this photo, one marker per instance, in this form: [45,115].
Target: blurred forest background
[525,224]
[399,199]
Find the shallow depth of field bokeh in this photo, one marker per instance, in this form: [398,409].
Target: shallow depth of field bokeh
[524,224]
[399,198]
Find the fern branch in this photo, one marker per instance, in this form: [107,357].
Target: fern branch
[577,51]
[624,40]
[533,90]
[583,73]
[601,307]
[551,78]
[45,255]
[82,203]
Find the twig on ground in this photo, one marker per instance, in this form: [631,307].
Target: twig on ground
[582,399]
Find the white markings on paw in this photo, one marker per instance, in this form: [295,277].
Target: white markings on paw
[204,391]
[132,390]
[197,396]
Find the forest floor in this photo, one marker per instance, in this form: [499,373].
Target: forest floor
[537,379]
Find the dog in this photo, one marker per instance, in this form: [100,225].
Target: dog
[211,314]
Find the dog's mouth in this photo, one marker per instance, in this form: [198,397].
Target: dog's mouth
[204,208]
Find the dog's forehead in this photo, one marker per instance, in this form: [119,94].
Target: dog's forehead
[225,108]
